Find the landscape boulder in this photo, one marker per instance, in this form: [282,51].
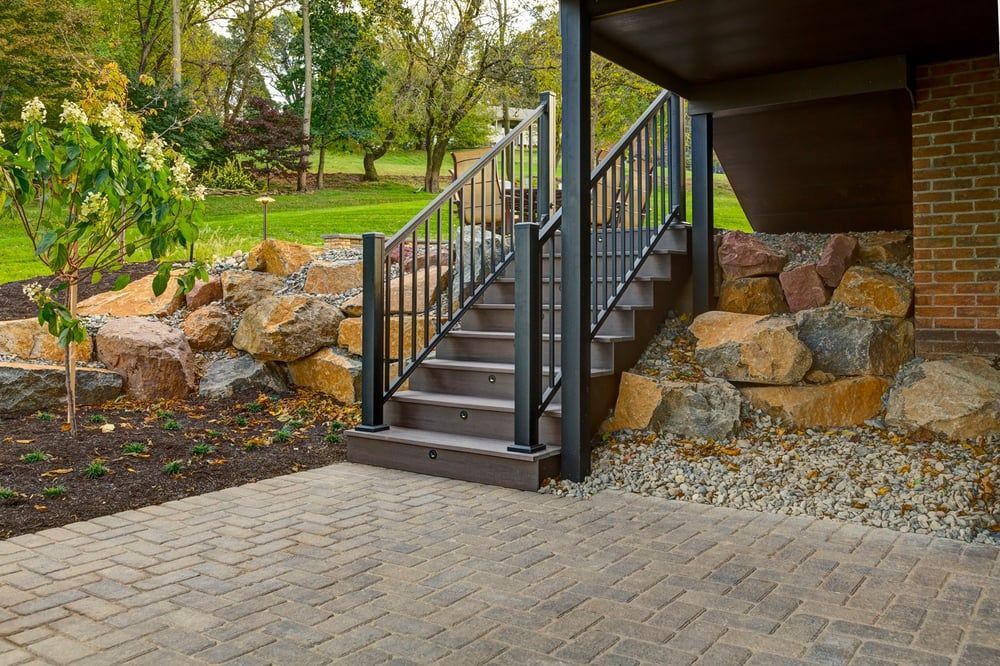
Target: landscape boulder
[30,387]
[241,289]
[136,299]
[203,293]
[349,336]
[428,289]
[208,328]
[840,253]
[329,372]
[708,409]
[27,339]
[804,288]
[957,396]
[241,374]
[334,277]
[847,342]
[287,328]
[280,257]
[154,359]
[742,255]
[844,402]
[752,295]
[750,348]
[890,247]
[868,289]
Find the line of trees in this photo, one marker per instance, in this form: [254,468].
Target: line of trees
[277,81]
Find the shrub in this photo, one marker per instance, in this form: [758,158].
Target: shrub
[282,436]
[230,175]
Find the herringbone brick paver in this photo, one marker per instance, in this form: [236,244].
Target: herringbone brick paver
[359,565]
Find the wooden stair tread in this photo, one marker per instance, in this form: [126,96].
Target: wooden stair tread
[471,401]
[444,440]
[558,306]
[509,335]
[494,367]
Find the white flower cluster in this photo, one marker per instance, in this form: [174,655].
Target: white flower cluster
[72,114]
[35,292]
[2,137]
[198,193]
[34,112]
[152,152]
[95,204]
[112,119]
[181,171]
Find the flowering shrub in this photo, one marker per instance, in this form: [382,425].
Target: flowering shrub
[90,195]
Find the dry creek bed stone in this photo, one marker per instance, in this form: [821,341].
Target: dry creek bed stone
[868,474]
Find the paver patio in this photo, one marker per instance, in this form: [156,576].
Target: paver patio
[363,565]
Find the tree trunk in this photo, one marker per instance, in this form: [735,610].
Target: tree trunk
[371,175]
[175,21]
[70,358]
[435,158]
[307,102]
[321,169]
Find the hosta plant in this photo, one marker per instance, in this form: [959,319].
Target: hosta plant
[90,193]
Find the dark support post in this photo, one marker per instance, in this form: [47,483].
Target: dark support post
[575,363]
[372,334]
[546,157]
[703,222]
[527,338]
[678,178]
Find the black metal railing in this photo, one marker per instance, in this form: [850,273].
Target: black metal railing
[636,193]
[418,284]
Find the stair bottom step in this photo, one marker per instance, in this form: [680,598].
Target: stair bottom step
[474,459]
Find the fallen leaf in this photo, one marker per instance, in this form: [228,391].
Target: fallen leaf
[41,508]
[108,427]
[24,441]
[58,472]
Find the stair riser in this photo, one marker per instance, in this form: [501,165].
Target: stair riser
[502,351]
[656,266]
[619,322]
[674,240]
[466,382]
[639,293]
[466,466]
[498,425]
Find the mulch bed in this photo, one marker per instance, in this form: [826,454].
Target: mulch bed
[215,444]
[14,305]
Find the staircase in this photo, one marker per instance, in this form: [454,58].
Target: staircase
[440,376]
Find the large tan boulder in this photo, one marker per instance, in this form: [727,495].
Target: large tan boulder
[203,293]
[708,409]
[154,359]
[281,258]
[892,247]
[751,348]
[427,288]
[350,335]
[958,397]
[845,402]
[742,255]
[334,277]
[877,292]
[847,342]
[287,328]
[241,289]
[208,328]
[135,300]
[27,339]
[29,387]
[752,295]
[329,372]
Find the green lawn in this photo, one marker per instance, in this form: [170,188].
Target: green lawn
[234,222]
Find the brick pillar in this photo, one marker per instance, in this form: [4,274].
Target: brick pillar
[956,206]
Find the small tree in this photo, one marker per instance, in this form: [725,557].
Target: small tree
[79,189]
[272,137]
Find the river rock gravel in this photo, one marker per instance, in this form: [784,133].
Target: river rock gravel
[868,474]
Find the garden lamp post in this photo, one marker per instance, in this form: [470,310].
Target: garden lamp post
[265,201]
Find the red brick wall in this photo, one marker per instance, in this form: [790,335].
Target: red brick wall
[956,206]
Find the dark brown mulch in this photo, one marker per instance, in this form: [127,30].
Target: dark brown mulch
[240,432]
[13,304]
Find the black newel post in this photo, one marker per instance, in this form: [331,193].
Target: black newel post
[373,334]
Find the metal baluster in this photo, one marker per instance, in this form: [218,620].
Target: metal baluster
[427,282]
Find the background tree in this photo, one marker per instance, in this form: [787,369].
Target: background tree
[307,96]
[271,137]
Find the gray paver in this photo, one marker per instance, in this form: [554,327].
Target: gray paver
[358,565]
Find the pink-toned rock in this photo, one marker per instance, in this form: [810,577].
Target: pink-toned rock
[208,328]
[742,255]
[804,288]
[154,359]
[840,253]
[204,293]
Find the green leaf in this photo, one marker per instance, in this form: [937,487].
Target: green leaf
[160,282]
[121,282]
[95,277]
